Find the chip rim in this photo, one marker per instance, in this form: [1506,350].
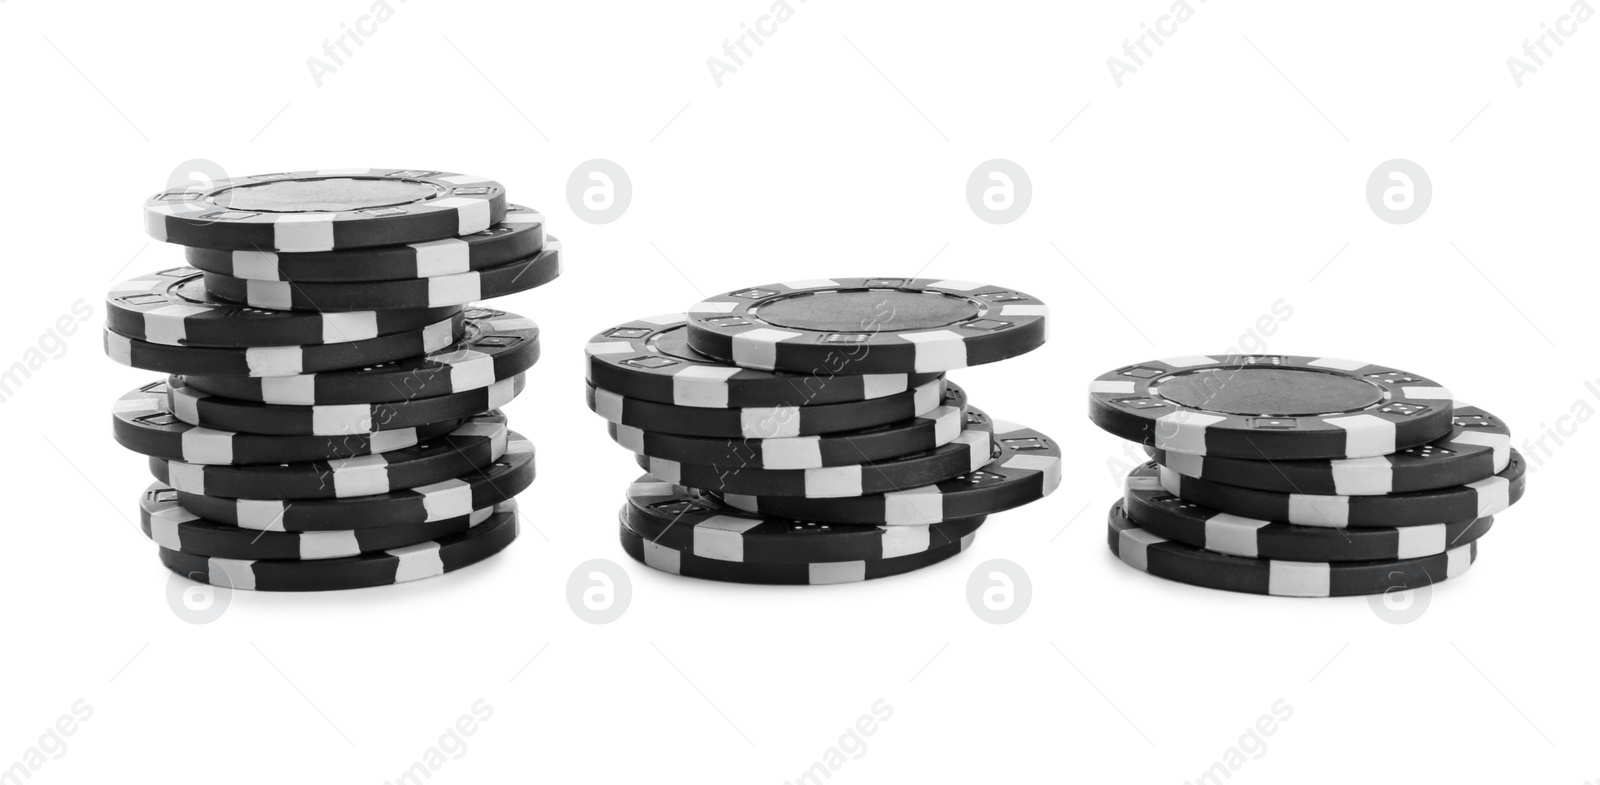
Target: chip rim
[1192,566]
[758,343]
[186,216]
[1360,433]
[1033,475]
[430,559]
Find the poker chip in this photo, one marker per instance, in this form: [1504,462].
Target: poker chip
[804,433]
[440,291]
[867,325]
[691,522]
[496,345]
[324,210]
[173,308]
[198,408]
[969,452]
[885,442]
[170,526]
[1155,510]
[486,486]
[1479,499]
[765,422]
[332,415]
[478,442]
[650,360]
[396,565]
[686,563]
[1270,407]
[1145,551]
[1478,447]
[1026,468]
[143,421]
[281,360]
[520,234]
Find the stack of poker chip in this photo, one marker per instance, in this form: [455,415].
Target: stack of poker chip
[805,433]
[329,415]
[1302,476]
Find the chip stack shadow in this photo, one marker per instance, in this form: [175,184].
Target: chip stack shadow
[330,415]
[1302,476]
[805,433]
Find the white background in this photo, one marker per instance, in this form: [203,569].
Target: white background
[1227,173]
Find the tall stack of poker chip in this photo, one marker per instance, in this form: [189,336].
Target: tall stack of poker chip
[1302,476]
[330,415]
[804,433]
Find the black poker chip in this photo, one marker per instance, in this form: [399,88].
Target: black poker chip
[518,235]
[483,487]
[1026,468]
[260,361]
[325,210]
[685,563]
[142,421]
[1478,447]
[765,422]
[477,443]
[907,437]
[172,307]
[446,290]
[1142,550]
[693,522]
[1270,407]
[868,325]
[496,345]
[969,452]
[1480,499]
[170,526]
[650,360]
[382,568]
[1150,506]
[198,408]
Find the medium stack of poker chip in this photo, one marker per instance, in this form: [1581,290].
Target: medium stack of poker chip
[805,433]
[330,415]
[1302,476]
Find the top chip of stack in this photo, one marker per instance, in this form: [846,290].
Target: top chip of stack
[1270,407]
[867,325]
[326,210]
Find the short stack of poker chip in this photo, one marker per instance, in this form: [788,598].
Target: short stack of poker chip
[329,415]
[805,433]
[1302,476]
